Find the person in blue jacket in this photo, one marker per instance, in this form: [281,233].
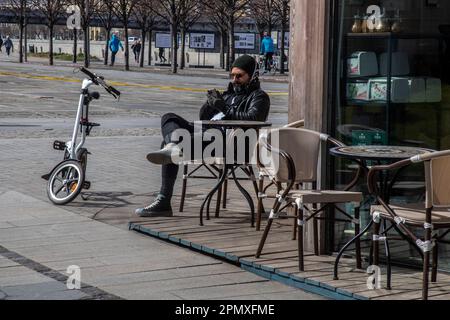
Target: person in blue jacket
[114,45]
[267,49]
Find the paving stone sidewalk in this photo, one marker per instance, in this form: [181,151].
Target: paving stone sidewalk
[39,241]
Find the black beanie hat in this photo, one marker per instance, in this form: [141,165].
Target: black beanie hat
[246,63]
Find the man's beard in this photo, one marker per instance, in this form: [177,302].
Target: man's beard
[239,88]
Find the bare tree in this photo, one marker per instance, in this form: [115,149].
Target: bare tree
[282,11]
[87,11]
[20,9]
[170,11]
[263,11]
[105,14]
[218,18]
[52,10]
[232,10]
[123,9]
[146,19]
[191,11]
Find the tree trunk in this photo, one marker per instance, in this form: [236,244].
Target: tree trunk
[25,57]
[183,47]
[283,27]
[108,35]
[21,39]
[50,51]
[127,49]
[142,56]
[230,40]
[173,32]
[223,38]
[75,39]
[86,46]
[231,51]
[150,47]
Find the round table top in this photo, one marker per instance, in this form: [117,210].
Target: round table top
[235,124]
[378,152]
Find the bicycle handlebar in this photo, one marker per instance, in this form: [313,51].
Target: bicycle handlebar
[99,80]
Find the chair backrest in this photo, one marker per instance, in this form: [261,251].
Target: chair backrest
[437,175]
[304,148]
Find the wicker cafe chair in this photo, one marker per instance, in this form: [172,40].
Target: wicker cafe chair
[298,154]
[265,174]
[431,216]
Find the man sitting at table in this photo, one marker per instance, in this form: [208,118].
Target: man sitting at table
[243,100]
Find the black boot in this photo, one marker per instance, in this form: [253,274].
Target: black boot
[159,208]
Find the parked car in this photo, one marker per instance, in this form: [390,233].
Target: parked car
[132,39]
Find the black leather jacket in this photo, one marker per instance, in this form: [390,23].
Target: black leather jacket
[251,105]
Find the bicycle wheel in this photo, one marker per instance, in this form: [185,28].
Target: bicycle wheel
[66,182]
[83,157]
[273,69]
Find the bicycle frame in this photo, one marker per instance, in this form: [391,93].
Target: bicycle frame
[72,147]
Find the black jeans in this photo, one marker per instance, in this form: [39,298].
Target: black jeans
[170,122]
[113,57]
[268,60]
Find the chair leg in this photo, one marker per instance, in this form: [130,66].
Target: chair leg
[294,233]
[388,257]
[264,237]
[259,208]
[183,189]
[316,236]
[376,243]
[300,223]
[219,197]
[426,267]
[358,240]
[225,187]
[435,263]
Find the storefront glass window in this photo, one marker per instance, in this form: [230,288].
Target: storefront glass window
[391,86]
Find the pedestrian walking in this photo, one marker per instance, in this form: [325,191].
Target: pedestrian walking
[267,49]
[114,45]
[8,45]
[136,47]
[161,55]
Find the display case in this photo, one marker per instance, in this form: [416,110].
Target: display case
[378,81]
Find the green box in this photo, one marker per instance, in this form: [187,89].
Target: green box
[379,138]
[361,138]
[368,138]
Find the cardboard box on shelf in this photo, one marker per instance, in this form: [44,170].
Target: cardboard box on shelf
[417,90]
[378,90]
[368,138]
[357,90]
[362,64]
[400,64]
[433,90]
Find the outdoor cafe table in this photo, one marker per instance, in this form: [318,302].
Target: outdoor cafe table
[228,168]
[378,154]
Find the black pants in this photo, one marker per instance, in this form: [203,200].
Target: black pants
[268,62]
[113,57]
[169,123]
[8,51]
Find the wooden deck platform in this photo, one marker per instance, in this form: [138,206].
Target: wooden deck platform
[231,238]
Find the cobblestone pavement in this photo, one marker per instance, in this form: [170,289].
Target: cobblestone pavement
[38,241]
